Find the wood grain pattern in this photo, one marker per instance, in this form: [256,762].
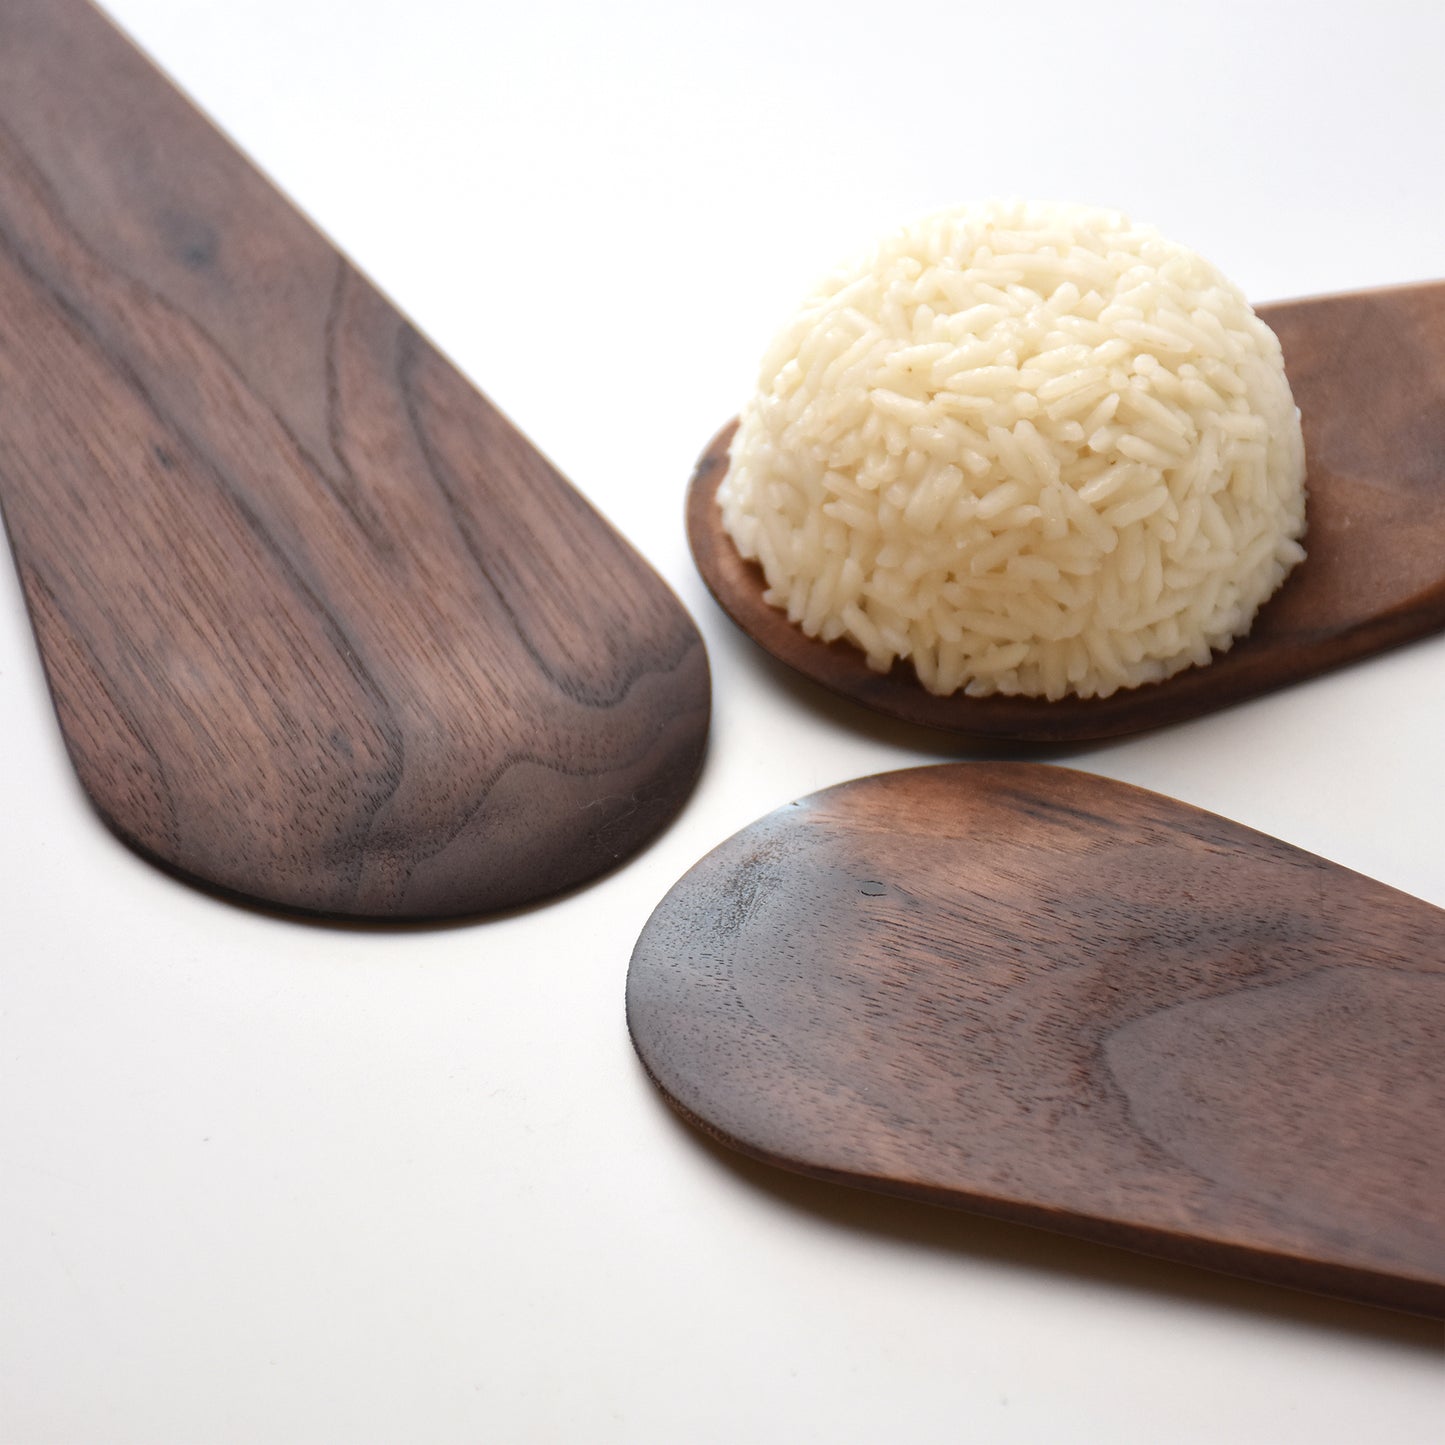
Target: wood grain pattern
[1061,1000]
[1368,372]
[321,627]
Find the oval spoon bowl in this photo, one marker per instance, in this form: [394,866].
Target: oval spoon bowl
[1065,1001]
[1368,373]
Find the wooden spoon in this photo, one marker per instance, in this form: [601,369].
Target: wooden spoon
[1368,372]
[1057,999]
[322,629]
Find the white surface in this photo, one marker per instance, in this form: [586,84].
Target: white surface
[267,1181]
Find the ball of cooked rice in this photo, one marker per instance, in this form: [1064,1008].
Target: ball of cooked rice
[1032,449]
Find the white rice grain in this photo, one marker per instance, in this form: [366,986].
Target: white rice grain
[1034,449]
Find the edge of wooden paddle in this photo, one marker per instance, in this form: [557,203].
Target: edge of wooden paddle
[1359,1286]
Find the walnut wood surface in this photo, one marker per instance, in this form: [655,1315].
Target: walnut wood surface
[1058,999]
[321,627]
[1368,372]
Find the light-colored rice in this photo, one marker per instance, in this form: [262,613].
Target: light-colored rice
[1032,449]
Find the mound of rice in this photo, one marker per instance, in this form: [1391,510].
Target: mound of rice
[1033,449]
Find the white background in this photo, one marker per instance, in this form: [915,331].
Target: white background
[270,1181]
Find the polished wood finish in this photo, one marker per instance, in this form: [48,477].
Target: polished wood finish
[321,627]
[1065,1001]
[1368,372]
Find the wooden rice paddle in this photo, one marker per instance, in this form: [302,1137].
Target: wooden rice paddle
[1061,1000]
[1368,372]
[322,629]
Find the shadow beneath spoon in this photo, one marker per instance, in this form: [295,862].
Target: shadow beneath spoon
[973,1238]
